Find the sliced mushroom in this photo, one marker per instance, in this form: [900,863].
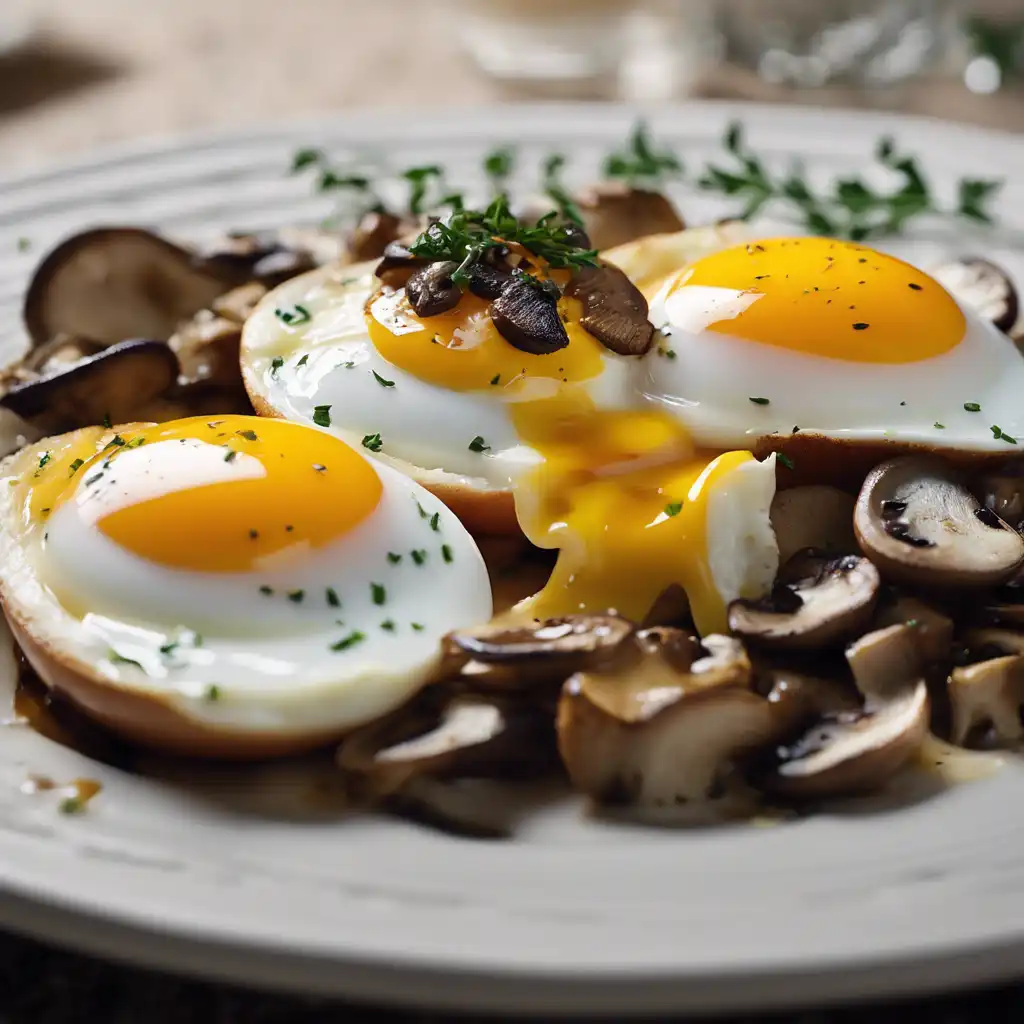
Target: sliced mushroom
[116,383]
[526,316]
[918,522]
[398,265]
[444,736]
[614,213]
[263,257]
[487,280]
[461,807]
[614,309]
[982,286]
[989,693]
[855,751]
[814,516]
[933,629]
[374,232]
[1003,492]
[110,284]
[665,728]
[812,612]
[56,355]
[237,305]
[207,348]
[431,290]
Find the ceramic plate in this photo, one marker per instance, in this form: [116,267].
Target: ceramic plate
[228,876]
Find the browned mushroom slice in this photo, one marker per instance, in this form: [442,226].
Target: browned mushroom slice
[443,736]
[918,522]
[238,304]
[571,639]
[56,355]
[981,285]
[665,728]
[115,384]
[614,213]
[814,516]
[431,290]
[263,257]
[614,309]
[991,642]
[207,348]
[989,693]
[826,607]
[374,232]
[856,751]
[1003,492]
[110,284]
[526,316]
[398,265]
[933,629]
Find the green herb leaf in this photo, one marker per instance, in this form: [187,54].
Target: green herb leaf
[266,591]
[373,442]
[322,417]
[355,637]
[419,179]
[394,557]
[478,445]
[939,426]
[71,805]
[275,364]
[296,596]
[498,165]
[121,659]
[446,553]
[294,316]
[419,556]
[378,593]
[641,165]
[332,598]
[760,401]
[435,521]
[303,360]
[44,459]
[304,158]
[418,626]
[785,460]
[212,692]
[230,455]
[389,625]
[673,508]
[106,420]
[381,381]
[972,407]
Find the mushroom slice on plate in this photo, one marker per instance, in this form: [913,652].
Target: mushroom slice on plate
[441,735]
[830,604]
[981,285]
[614,309]
[991,642]
[110,284]
[114,384]
[933,629]
[207,348]
[614,213]
[918,522]
[430,290]
[397,265]
[237,304]
[664,728]
[526,316]
[815,516]
[374,232]
[989,693]
[1003,492]
[856,751]
[55,356]
[263,257]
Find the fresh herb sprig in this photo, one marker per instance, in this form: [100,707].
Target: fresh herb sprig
[848,207]
[555,189]
[640,164]
[465,235]
[498,165]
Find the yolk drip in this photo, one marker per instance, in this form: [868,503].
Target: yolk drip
[213,495]
[462,350]
[819,296]
[624,496]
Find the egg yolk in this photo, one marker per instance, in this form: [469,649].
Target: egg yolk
[820,297]
[228,495]
[461,350]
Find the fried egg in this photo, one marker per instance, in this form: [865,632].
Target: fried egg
[230,586]
[819,336]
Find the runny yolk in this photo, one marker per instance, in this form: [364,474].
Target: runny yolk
[818,296]
[224,495]
[624,496]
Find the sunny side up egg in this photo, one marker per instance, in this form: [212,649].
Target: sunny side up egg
[826,337]
[231,586]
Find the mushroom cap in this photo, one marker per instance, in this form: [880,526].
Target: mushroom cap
[989,692]
[615,213]
[824,608]
[813,516]
[614,309]
[983,286]
[918,522]
[526,316]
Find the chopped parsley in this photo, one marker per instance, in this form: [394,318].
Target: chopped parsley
[496,379]
[212,692]
[348,364]
[419,556]
[322,416]
[296,596]
[424,514]
[303,360]
[435,522]
[332,598]
[999,435]
[972,407]
[121,659]
[106,420]
[785,460]
[266,591]
[95,478]
[760,401]
[76,466]
[418,626]
[44,460]
[71,805]
[389,625]
[249,435]
[381,381]
[939,426]
[446,552]
[117,441]
[170,648]
[24,244]
[275,364]
[230,455]
[673,508]
[861,326]
[394,557]
[346,642]
[136,442]
[378,592]
[294,316]
[478,445]
[373,442]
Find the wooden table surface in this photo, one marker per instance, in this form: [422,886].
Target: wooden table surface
[106,70]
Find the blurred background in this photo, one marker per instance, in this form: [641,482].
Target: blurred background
[75,73]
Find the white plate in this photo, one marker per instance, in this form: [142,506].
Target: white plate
[574,914]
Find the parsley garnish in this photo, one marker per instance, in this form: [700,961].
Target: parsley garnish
[419,179]
[998,434]
[24,244]
[106,420]
[446,552]
[230,455]
[419,556]
[939,426]
[303,360]
[498,165]
[296,596]
[760,401]
[381,381]
[972,407]
[785,460]
[424,514]
[673,508]
[275,364]
[120,659]
[265,590]
[304,158]
[249,435]
[418,626]
[44,460]
[319,467]
[332,598]
[212,692]
[496,379]
[464,236]
[394,557]
[555,190]
[389,625]
[322,416]
[117,441]
[378,592]
[71,805]
[351,640]
[373,442]
[294,316]
[136,442]
[435,522]
[478,445]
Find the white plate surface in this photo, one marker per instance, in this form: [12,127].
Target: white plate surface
[575,914]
